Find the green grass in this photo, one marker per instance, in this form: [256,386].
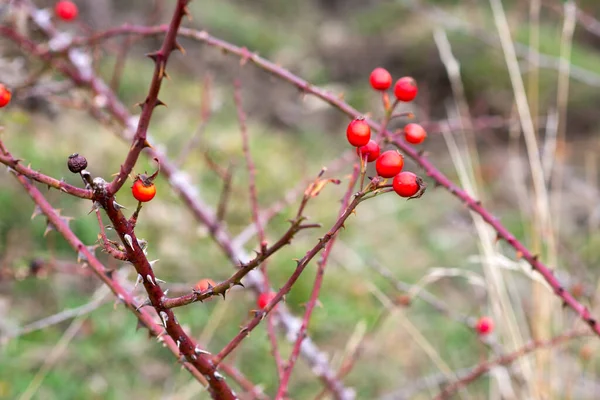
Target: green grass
[110,359]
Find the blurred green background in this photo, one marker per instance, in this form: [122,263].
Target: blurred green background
[334,44]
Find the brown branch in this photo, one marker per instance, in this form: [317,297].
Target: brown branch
[243,269]
[123,295]
[109,246]
[225,193]
[7,159]
[506,359]
[282,391]
[160,59]
[300,266]
[81,76]
[205,115]
[135,254]
[419,158]
[254,207]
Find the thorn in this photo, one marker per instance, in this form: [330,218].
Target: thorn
[95,207]
[223,294]
[81,256]
[153,55]
[198,350]
[186,11]
[129,240]
[145,303]
[218,376]
[138,281]
[139,325]
[239,283]
[49,227]
[36,211]
[165,318]
[149,279]
[159,102]
[118,206]
[179,47]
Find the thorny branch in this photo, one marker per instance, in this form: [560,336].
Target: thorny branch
[506,359]
[303,85]
[314,296]
[160,59]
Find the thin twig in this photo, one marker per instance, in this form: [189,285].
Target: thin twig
[506,359]
[314,296]
[254,207]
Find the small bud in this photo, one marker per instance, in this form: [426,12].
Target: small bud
[76,163]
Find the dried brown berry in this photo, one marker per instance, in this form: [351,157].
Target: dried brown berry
[76,163]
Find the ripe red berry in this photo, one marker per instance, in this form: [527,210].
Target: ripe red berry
[484,326]
[371,150]
[204,284]
[389,164]
[5,96]
[414,133]
[143,190]
[405,89]
[358,132]
[264,299]
[66,10]
[380,79]
[406,184]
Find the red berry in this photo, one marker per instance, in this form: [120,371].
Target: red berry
[414,133]
[66,10]
[406,184]
[405,89]
[389,164]
[358,132]
[264,299]
[204,284]
[143,190]
[484,326]
[371,150]
[5,96]
[380,79]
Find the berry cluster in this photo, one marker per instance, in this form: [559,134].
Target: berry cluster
[389,164]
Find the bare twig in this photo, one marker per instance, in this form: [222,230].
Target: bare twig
[314,296]
[506,359]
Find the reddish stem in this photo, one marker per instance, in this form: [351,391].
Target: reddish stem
[506,359]
[282,391]
[256,216]
[7,159]
[300,266]
[160,59]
